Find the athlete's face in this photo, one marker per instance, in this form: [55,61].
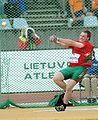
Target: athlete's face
[83,37]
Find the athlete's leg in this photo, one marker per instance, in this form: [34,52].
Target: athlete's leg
[67,73]
[59,80]
[69,87]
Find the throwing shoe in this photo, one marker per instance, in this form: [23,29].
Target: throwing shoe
[60,106]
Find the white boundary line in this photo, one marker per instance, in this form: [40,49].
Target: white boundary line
[68,109]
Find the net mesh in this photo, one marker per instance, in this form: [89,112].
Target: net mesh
[28,59]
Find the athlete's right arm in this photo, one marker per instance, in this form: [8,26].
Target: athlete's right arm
[65,42]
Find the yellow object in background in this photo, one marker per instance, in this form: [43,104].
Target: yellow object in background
[4,24]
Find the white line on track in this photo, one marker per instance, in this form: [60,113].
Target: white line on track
[68,109]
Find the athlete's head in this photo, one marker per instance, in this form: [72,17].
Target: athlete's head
[85,35]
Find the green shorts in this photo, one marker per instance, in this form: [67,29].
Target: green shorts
[72,72]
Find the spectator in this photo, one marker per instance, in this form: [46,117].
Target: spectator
[11,10]
[77,11]
[88,6]
[95,8]
[90,82]
[92,7]
[22,6]
[14,9]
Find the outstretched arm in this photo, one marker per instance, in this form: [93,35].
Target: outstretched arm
[65,42]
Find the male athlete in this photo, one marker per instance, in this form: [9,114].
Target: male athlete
[79,61]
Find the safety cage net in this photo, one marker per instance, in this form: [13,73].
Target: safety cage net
[28,60]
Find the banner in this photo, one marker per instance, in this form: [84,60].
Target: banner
[31,71]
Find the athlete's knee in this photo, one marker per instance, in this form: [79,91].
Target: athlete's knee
[58,77]
[69,89]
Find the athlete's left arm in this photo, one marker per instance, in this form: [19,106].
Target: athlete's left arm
[66,42]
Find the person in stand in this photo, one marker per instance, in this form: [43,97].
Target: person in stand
[92,7]
[95,8]
[11,10]
[90,82]
[14,9]
[88,7]
[80,60]
[77,12]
